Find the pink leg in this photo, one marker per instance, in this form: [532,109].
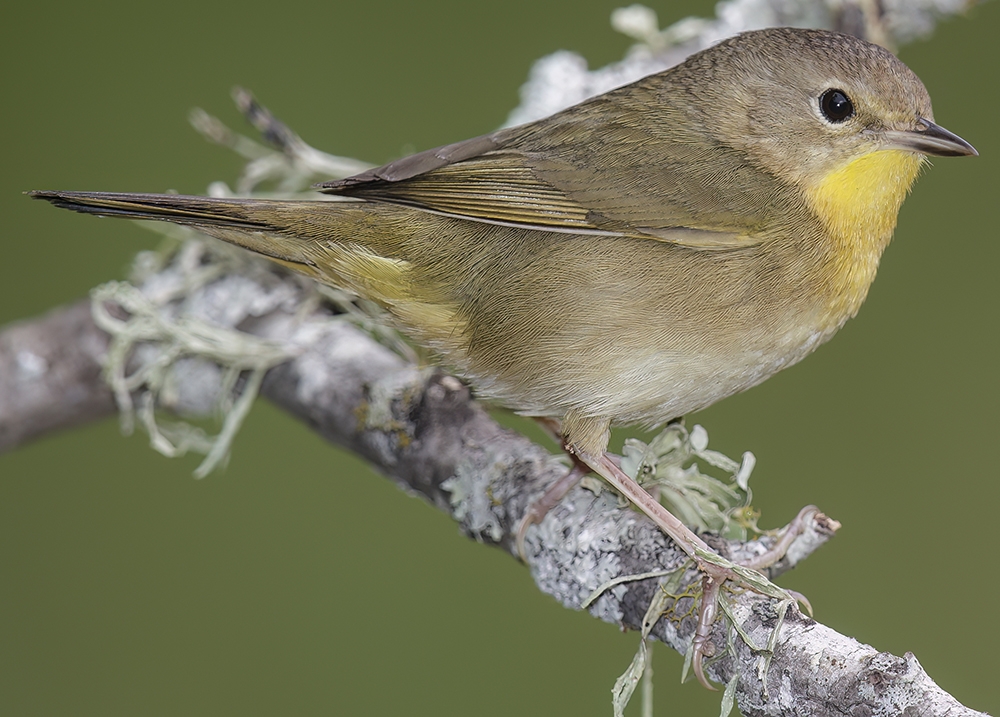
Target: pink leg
[539,508]
[715,576]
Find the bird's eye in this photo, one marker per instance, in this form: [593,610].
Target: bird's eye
[836,106]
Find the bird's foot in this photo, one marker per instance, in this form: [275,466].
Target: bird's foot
[717,571]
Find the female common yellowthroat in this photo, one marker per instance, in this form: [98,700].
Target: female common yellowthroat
[633,258]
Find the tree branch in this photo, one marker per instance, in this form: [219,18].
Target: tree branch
[50,375]
[422,429]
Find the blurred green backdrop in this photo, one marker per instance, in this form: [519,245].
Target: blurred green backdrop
[299,582]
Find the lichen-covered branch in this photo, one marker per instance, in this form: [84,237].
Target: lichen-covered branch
[421,428]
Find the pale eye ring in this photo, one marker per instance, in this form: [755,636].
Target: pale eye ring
[836,106]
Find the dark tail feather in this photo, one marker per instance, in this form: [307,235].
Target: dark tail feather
[195,211]
[267,227]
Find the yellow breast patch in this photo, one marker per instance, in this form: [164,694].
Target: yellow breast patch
[859,203]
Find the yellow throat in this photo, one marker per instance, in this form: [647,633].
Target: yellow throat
[859,203]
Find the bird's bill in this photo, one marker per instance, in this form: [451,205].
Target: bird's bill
[930,139]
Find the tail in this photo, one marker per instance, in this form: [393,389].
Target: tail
[344,244]
[266,227]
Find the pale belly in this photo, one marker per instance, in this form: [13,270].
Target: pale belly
[653,387]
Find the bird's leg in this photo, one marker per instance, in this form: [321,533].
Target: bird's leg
[550,498]
[712,566]
[715,570]
[606,467]
[540,507]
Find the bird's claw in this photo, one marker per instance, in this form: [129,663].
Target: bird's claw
[714,577]
[702,646]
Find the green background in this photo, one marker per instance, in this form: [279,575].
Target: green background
[299,582]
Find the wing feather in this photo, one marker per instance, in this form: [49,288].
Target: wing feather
[615,170]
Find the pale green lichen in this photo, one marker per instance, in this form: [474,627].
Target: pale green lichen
[168,340]
[670,465]
[161,337]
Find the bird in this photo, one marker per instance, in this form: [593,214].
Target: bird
[633,258]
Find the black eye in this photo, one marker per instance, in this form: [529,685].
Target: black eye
[836,105]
